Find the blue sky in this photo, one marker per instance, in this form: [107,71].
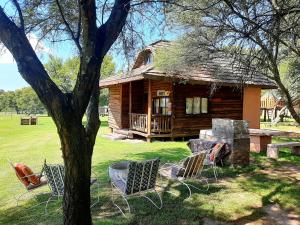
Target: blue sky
[10,79]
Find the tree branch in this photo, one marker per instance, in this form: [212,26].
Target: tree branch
[110,30]
[17,5]
[230,5]
[79,22]
[30,67]
[75,38]
[92,113]
[96,43]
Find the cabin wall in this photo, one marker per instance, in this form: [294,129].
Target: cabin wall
[251,106]
[226,102]
[125,105]
[114,115]
[156,86]
[138,97]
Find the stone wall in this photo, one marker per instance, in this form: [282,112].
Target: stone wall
[236,134]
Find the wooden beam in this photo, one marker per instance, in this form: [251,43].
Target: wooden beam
[121,105]
[149,108]
[173,108]
[130,103]
[130,98]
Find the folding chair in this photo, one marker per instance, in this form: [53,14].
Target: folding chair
[188,169]
[55,174]
[31,187]
[141,179]
[211,160]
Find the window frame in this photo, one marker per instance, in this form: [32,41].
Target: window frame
[200,111]
[159,107]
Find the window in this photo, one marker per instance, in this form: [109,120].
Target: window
[196,105]
[162,106]
[149,59]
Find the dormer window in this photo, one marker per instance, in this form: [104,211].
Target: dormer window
[149,59]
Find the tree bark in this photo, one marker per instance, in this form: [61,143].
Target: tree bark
[77,154]
[288,99]
[67,110]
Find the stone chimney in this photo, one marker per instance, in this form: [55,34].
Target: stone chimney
[236,134]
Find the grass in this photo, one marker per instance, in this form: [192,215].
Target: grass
[239,196]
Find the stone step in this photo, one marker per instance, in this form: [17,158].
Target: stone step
[115,136]
[125,132]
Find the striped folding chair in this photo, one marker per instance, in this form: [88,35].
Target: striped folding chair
[188,169]
[141,179]
[55,174]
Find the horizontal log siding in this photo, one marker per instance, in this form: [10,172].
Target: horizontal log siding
[158,85]
[225,103]
[114,115]
[125,105]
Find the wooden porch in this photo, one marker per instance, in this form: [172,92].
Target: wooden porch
[142,121]
[159,124]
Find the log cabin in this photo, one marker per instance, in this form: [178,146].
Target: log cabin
[152,103]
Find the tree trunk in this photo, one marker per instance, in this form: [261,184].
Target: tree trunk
[288,98]
[77,149]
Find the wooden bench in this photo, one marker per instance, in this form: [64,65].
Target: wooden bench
[273,149]
[29,120]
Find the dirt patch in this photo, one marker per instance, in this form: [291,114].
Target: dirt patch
[288,171]
[274,216]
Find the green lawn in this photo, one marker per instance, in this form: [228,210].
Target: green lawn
[239,196]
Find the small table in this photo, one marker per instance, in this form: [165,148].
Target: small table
[118,170]
[260,138]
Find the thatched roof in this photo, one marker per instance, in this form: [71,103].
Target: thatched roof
[221,71]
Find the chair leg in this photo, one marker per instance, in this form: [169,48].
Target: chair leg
[190,192]
[49,200]
[149,199]
[98,192]
[113,201]
[19,197]
[125,199]
[215,172]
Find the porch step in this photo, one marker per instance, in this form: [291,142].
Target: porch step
[125,132]
[115,136]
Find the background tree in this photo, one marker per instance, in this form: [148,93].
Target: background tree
[64,73]
[28,102]
[258,35]
[93,27]
[8,102]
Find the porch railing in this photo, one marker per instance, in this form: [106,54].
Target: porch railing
[138,122]
[159,123]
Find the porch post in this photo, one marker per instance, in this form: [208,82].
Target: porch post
[149,116]
[121,106]
[130,104]
[173,110]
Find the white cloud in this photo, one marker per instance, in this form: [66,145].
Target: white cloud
[7,58]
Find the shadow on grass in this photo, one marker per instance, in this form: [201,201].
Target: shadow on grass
[165,155]
[32,212]
[177,208]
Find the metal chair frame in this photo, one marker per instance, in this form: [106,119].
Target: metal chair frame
[56,184]
[213,164]
[141,192]
[192,171]
[28,191]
